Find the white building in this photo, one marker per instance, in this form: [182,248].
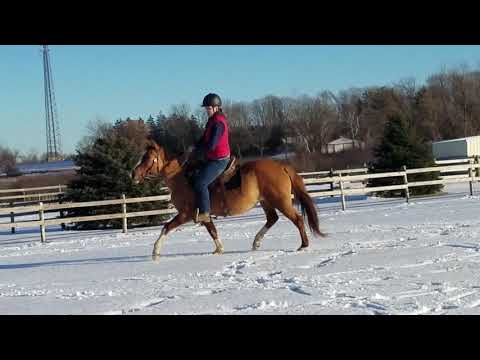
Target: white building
[456,148]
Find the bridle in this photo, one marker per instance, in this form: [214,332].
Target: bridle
[155,161]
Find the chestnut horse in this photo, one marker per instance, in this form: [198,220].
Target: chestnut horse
[266,181]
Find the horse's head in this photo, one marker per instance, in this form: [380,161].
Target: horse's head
[151,164]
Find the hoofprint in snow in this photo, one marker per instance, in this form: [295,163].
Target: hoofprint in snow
[382,256]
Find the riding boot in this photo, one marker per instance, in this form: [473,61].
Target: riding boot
[201,217]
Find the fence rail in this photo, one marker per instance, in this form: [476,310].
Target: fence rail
[55,187]
[333,172]
[30,194]
[42,222]
[472,175]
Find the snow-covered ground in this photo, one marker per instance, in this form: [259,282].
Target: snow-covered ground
[382,256]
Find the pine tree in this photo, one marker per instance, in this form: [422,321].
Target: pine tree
[401,145]
[152,126]
[104,174]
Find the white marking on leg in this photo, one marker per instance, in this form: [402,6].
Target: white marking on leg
[218,245]
[158,244]
[259,237]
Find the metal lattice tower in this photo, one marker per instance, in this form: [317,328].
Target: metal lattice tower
[54,151]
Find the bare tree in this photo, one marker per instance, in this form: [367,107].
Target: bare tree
[238,114]
[8,159]
[428,115]
[98,128]
[180,111]
[462,91]
[456,93]
[312,120]
[136,131]
[200,116]
[349,107]
[241,138]
[32,156]
[258,115]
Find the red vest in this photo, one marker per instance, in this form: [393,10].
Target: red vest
[222,149]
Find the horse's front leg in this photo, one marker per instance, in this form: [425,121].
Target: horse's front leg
[178,220]
[213,233]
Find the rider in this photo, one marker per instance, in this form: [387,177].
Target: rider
[215,148]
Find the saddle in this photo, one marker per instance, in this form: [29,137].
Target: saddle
[229,179]
[228,173]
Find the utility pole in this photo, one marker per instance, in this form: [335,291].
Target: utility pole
[54,151]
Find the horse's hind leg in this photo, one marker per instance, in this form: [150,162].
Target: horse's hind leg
[272,218]
[289,211]
[212,230]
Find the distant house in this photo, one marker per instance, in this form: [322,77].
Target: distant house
[341,144]
[334,146]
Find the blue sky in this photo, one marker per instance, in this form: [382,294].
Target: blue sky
[111,82]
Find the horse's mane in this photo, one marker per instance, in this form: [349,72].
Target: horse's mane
[169,156]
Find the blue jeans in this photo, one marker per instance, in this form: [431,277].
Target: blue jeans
[207,174]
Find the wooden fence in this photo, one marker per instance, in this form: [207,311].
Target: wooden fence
[45,193]
[41,208]
[472,171]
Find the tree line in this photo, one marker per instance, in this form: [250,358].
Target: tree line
[446,106]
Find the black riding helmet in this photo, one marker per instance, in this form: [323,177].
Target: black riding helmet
[212,100]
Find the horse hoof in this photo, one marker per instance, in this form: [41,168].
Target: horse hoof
[302,248]
[218,252]
[155,257]
[255,247]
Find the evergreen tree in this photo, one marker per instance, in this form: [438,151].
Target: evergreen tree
[160,119]
[176,133]
[401,145]
[104,174]
[152,126]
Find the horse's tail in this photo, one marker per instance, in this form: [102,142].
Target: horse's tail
[303,198]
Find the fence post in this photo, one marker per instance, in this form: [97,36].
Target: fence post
[477,170]
[405,181]
[342,193]
[470,174]
[365,181]
[12,218]
[62,211]
[42,223]
[331,184]
[124,211]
